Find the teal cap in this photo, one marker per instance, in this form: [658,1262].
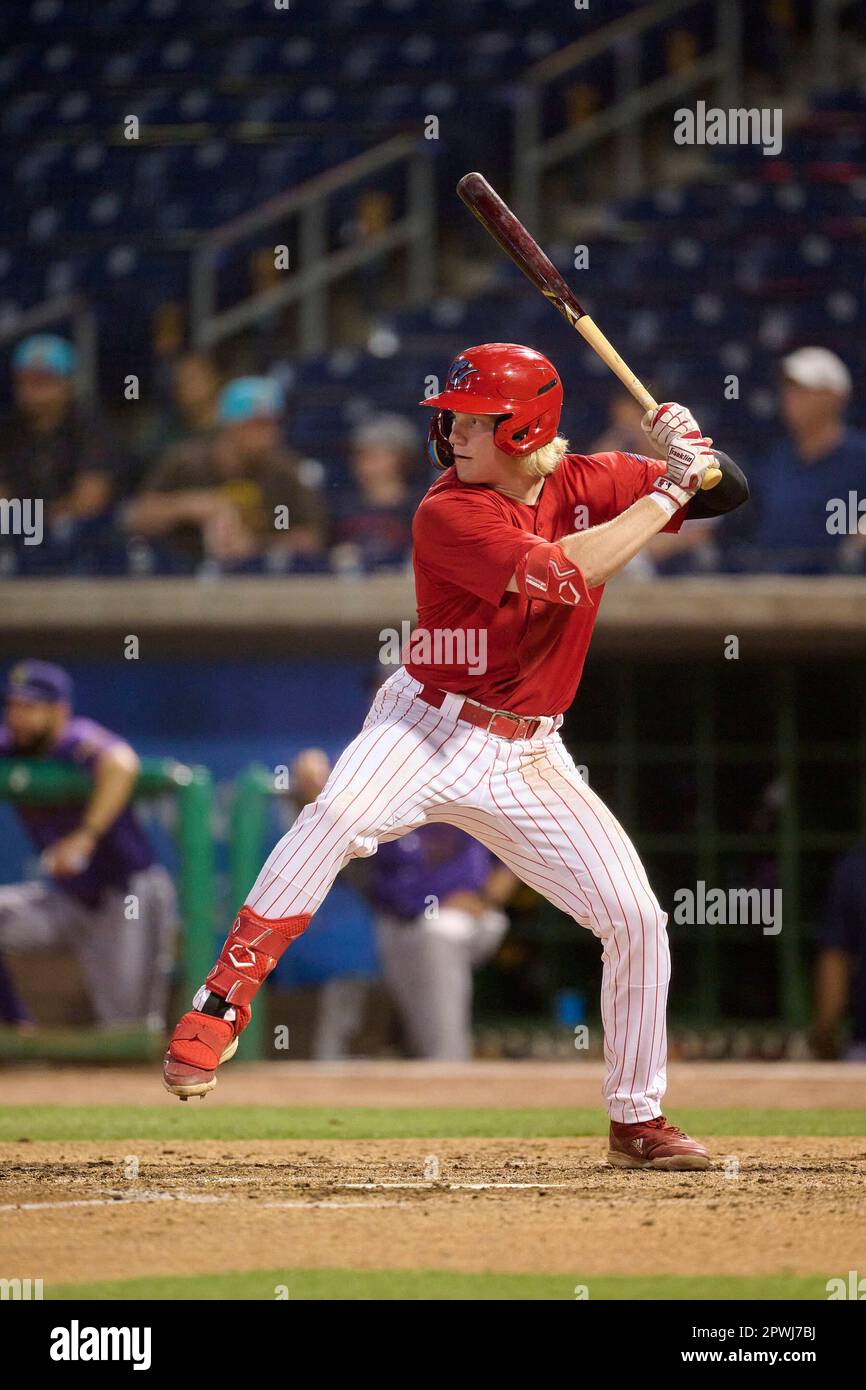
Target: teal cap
[250,398]
[46,351]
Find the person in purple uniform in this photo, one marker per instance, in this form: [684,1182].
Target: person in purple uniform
[13,1011]
[102,894]
[438,895]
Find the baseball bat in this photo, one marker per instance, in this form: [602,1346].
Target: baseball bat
[506,229]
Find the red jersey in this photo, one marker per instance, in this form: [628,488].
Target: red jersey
[522,652]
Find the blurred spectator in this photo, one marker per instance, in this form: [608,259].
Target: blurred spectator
[373,214]
[840,969]
[13,1011]
[194,390]
[623,432]
[51,448]
[439,896]
[96,858]
[235,496]
[819,464]
[372,523]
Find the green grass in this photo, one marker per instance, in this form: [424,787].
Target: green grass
[339,1284]
[135,1044]
[209,1120]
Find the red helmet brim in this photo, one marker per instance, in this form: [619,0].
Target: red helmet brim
[464,403]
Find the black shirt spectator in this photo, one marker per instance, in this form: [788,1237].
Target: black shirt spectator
[51,448]
[372,526]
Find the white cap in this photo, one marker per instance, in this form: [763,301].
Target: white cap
[818,369]
[387,432]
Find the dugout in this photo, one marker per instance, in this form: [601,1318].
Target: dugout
[722,719]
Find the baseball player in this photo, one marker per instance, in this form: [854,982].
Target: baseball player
[438,895]
[512,549]
[102,894]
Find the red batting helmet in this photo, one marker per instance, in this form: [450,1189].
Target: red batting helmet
[517,384]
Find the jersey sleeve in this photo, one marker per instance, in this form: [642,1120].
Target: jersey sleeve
[464,540]
[86,741]
[620,479]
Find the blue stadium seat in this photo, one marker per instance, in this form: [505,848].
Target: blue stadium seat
[299,54]
[73,107]
[181,55]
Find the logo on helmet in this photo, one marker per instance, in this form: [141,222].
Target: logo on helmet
[460,369]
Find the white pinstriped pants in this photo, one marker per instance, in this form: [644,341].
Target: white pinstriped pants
[526,801]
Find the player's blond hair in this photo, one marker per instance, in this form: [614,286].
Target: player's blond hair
[546,460]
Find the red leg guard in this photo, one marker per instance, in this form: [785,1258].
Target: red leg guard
[252,949]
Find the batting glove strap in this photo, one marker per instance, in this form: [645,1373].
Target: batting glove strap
[687,462]
[669,497]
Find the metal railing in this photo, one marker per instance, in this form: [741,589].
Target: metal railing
[308,285]
[67,309]
[622,41]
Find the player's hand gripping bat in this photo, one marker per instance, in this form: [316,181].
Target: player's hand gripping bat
[512,236]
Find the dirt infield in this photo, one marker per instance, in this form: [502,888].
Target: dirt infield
[550,1206]
[79,1211]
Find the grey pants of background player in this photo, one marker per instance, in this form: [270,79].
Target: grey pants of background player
[126,963]
[429,977]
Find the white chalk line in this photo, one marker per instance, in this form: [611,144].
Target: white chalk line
[142,1198]
[341,1206]
[439,1185]
[124,1199]
[298,1204]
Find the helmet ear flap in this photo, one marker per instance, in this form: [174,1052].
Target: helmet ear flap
[439,450]
[527,428]
[498,423]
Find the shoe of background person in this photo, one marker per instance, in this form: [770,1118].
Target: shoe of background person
[654,1144]
[200,1043]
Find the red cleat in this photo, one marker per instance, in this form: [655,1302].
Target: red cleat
[199,1044]
[654,1144]
[202,1041]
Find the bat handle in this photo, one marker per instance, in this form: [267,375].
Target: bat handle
[590,331]
[642,396]
[713,476]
